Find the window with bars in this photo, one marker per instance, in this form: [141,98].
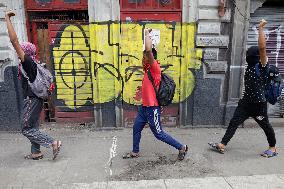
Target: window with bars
[54,5]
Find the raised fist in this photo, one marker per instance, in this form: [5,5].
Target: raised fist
[10,13]
[147,31]
[262,23]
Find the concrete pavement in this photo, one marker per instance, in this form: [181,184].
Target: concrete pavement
[91,158]
[235,182]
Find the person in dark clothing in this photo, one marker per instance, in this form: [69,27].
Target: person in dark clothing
[32,104]
[253,104]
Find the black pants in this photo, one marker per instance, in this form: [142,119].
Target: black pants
[258,111]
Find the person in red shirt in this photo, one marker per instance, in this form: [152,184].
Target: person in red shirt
[150,111]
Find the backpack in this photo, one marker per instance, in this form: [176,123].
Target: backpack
[42,83]
[166,91]
[273,87]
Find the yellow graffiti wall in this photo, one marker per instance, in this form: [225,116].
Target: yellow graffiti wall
[120,70]
[71,56]
[104,40]
[113,55]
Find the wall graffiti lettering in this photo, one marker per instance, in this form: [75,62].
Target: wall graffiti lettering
[100,62]
[71,56]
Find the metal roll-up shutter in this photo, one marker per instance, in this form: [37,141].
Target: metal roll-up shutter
[275,44]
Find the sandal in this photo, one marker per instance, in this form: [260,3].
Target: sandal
[130,155]
[30,156]
[269,153]
[57,149]
[182,153]
[215,146]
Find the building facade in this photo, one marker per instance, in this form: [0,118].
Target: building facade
[10,89]
[94,49]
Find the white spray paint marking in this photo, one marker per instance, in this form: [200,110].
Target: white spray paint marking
[112,154]
[278,40]
[278,46]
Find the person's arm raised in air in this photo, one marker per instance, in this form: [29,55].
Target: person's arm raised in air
[262,43]
[13,36]
[148,46]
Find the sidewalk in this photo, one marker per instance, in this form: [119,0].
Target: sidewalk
[236,182]
[94,157]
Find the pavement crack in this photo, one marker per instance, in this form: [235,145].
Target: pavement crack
[228,183]
[165,183]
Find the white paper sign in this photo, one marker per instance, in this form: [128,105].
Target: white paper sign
[155,36]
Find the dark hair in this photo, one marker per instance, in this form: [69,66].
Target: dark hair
[252,55]
[253,51]
[154,51]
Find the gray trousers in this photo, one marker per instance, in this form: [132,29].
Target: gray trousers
[30,124]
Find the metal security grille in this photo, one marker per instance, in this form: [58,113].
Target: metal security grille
[275,43]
